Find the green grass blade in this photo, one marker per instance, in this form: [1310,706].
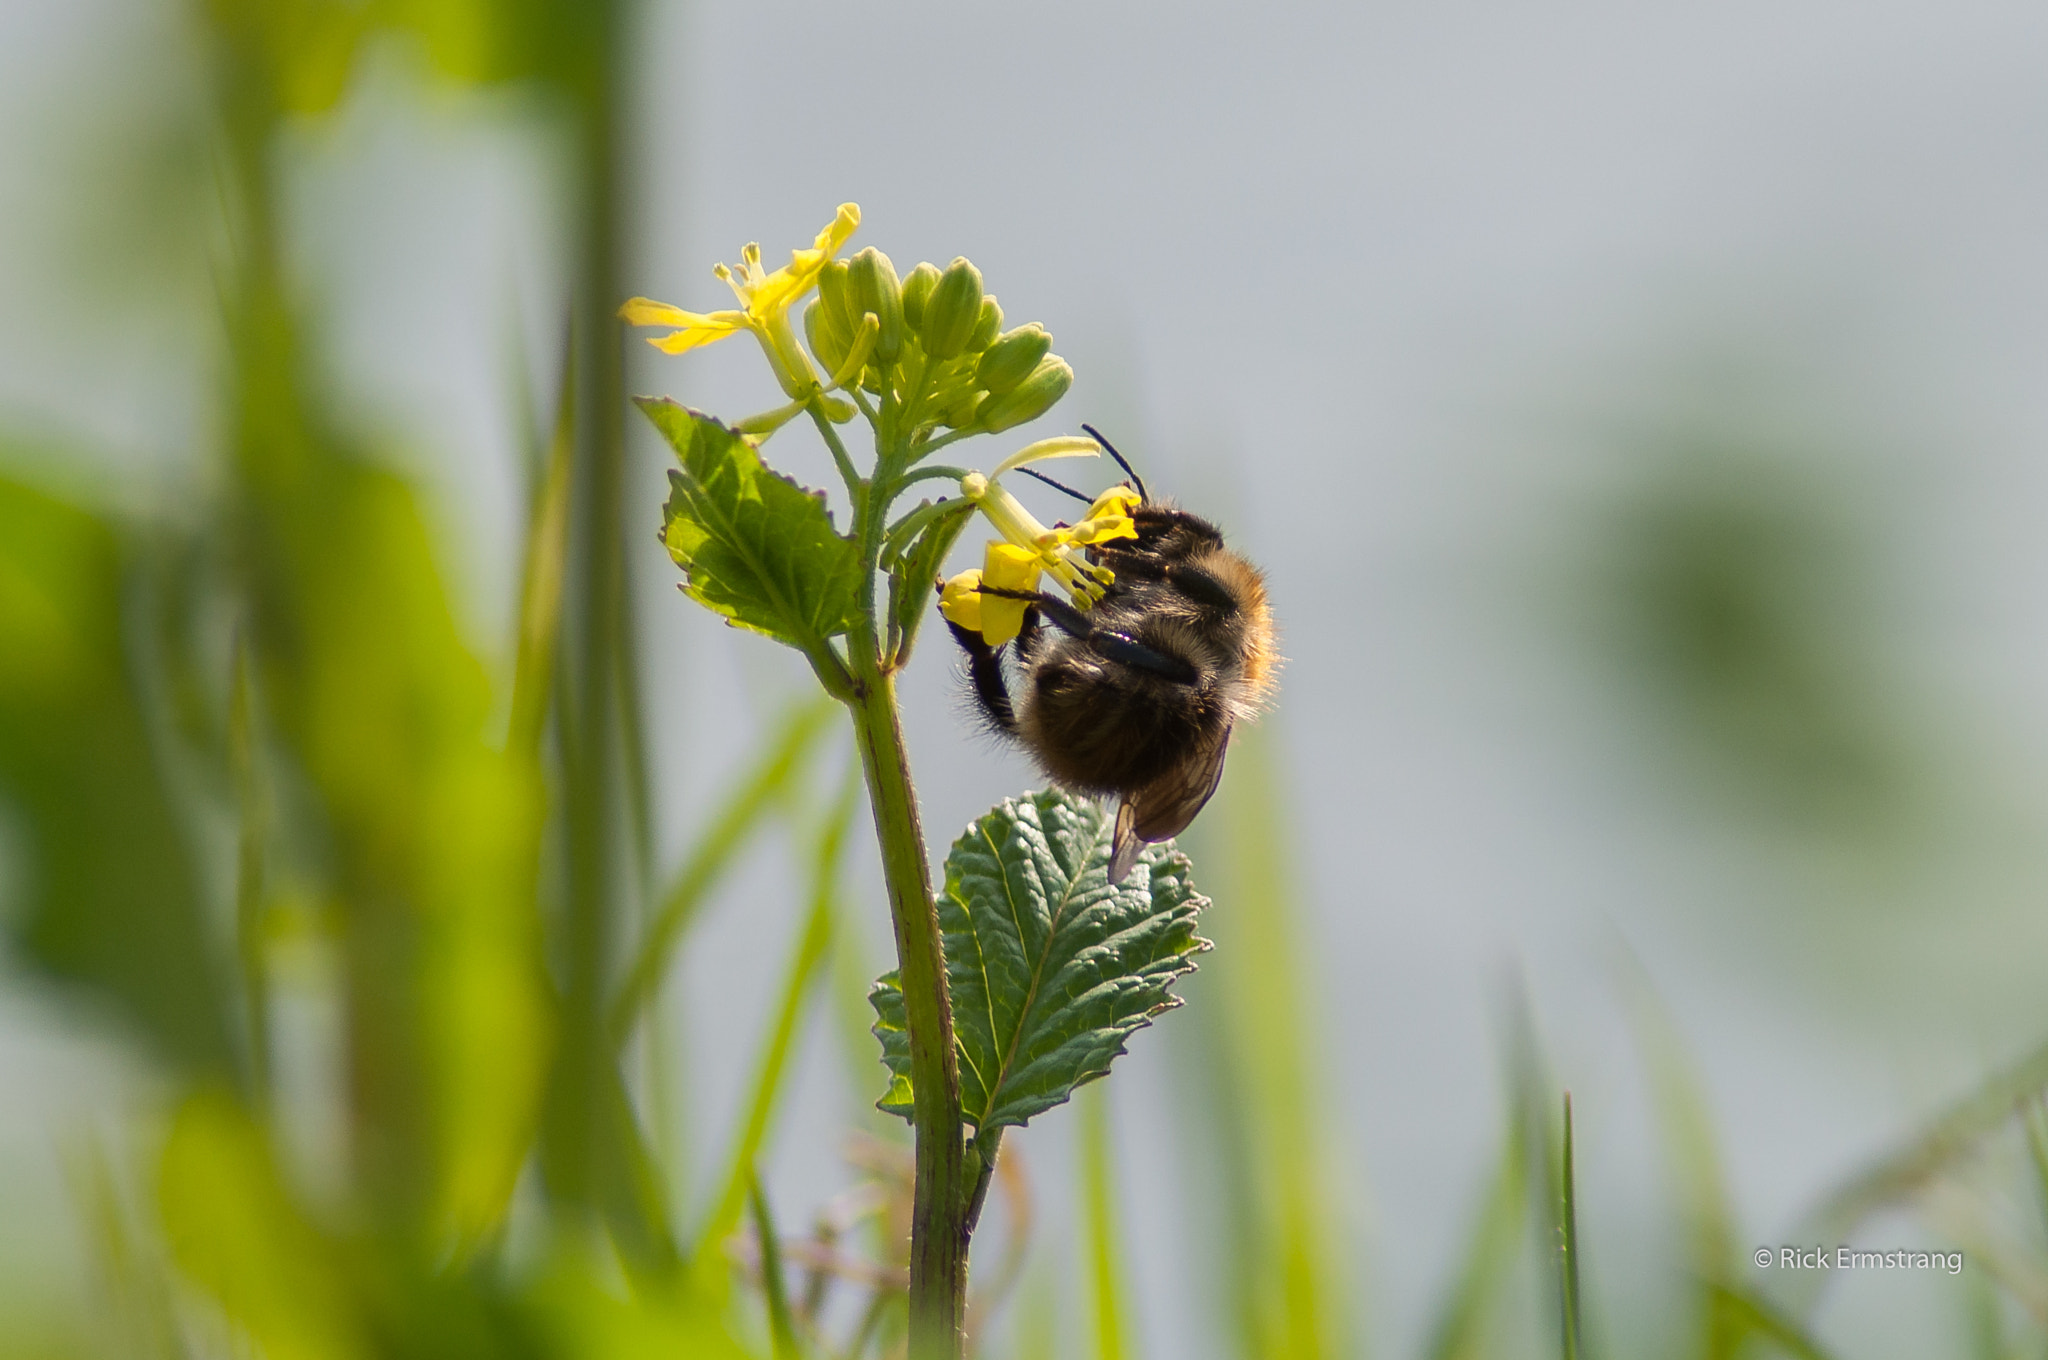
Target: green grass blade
[252,838]
[1461,1328]
[1038,1321]
[540,592]
[1104,1247]
[1951,1135]
[813,942]
[1749,1314]
[2035,1118]
[781,1326]
[1285,1272]
[1529,1087]
[770,779]
[1568,1242]
[1694,1164]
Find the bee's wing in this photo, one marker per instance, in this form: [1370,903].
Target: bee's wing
[1124,847]
[1163,808]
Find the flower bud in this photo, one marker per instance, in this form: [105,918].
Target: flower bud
[953,310]
[832,291]
[830,346]
[917,290]
[960,412]
[1028,400]
[871,286]
[987,326]
[1011,358]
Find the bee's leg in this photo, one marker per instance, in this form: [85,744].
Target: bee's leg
[1028,635]
[1110,646]
[985,669]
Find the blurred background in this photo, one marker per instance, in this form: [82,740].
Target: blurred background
[1637,413]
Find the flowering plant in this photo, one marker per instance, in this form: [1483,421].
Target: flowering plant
[926,361]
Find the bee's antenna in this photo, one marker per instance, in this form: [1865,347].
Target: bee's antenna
[1110,449]
[1058,486]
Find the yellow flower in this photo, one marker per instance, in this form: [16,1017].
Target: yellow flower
[1028,548]
[996,617]
[765,299]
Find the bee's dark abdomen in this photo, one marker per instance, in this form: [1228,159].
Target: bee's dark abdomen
[1103,730]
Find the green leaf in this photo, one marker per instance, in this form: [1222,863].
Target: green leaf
[106,897]
[1050,967]
[759,549]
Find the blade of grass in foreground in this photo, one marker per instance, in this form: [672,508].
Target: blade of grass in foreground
[1284,1270]
[1568,1241]
[1461,1328]
[770,779]
[781,1326]
[813,942]
[1693,1164]
[1952,1134]
[1752,1315]
[2035,1117]
[1105,1264]
[540,592]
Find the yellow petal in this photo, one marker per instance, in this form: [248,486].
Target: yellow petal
[641,311]
[1059,446]
[678,342]
[1118,500]
[1006,567]
[839,230]
[960,600]
[1102,529]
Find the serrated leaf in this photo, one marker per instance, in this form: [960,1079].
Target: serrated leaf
[1050,967]
[757,547]
[911,585]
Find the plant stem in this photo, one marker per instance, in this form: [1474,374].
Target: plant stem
[938,1231]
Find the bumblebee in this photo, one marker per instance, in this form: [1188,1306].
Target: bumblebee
[1137,695]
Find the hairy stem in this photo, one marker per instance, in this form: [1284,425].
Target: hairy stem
[938,1232]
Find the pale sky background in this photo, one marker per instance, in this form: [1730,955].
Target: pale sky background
[1394,292]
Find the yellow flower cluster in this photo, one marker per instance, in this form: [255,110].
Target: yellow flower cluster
[1027,549]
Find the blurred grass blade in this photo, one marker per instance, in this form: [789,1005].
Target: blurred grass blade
[251,945]
[1285,1274]
[2035,1116]
[1103,1252]
[1986,1321]
[769,780]
[540,593]
[1038,1321]
[1529,1099]
[812,944]
[236,1233]
[781,1326]
[1949,1136]
[1568,1241]
[139,1292]
[1461,1328]
[1749,1314]
[635,1198]
[1694,1164]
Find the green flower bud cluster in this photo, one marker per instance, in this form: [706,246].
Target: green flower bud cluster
[940,350]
